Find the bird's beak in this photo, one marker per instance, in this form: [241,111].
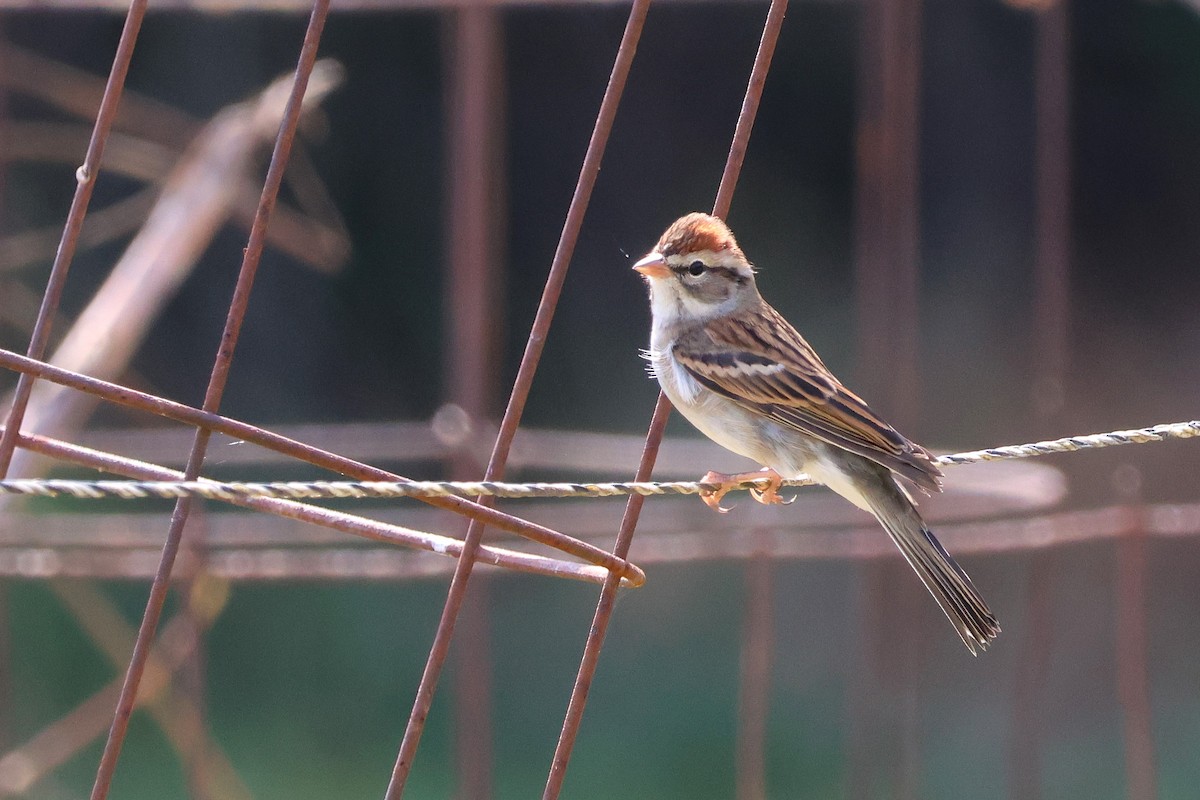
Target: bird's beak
[653,265]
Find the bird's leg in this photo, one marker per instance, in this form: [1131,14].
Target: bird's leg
[725,483]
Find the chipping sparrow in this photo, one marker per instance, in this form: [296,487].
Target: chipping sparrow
[741,374]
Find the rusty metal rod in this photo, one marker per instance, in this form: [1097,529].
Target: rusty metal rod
[85,178]
[520,392]
[1050,358]
[754,691]
[248,551]
[604,608]
[887,284]
[1132,657]
[475,216]
[658,422]
[337,520]
[216,423]
[1052,241]
[212,399]
[39,340]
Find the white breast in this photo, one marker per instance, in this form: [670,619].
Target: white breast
[718,418]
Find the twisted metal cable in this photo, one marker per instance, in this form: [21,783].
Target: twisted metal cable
[308,490]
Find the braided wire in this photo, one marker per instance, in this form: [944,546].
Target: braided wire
[309,490]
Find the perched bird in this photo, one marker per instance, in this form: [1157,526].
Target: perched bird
[747,380]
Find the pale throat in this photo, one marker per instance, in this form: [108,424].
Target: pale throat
[674,313]
[672,307]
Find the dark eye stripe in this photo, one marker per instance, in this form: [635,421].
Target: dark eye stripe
[730,273]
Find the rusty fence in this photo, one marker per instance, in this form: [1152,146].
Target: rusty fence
[54,395]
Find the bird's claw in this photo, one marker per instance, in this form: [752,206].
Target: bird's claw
[712,497]
[771,497]
[768,495]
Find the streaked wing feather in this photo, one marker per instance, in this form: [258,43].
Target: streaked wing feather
[777,374]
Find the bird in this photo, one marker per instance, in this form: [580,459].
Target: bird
[741,374]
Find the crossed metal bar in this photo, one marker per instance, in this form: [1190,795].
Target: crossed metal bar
[609,568]
[614,567]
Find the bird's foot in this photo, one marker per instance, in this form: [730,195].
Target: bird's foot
[712,497]
[768,495]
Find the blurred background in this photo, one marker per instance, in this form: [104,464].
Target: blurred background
[984,215]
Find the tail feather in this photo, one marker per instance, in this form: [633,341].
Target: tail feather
[942,576]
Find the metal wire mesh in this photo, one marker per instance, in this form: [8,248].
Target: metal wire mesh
[151,666]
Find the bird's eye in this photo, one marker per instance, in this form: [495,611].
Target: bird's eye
[696,268]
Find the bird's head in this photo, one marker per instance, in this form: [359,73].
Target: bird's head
[697,271]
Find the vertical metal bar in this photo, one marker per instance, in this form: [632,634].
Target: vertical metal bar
[85,178]
[1025,764]
[758,638]
[5,65]
[887,288]
[472,303]
[903,41]
[865,693]
[895,359]
[475,212]
[863,716]
[473,697]
[662,409]
[520,393]
[6,684]
[6,676]
[1051,341]
[191,677]
[1133,674]
[909,652]
[212,400]
[1052,264]
[887,273]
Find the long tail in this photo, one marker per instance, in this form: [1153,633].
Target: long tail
[942,576]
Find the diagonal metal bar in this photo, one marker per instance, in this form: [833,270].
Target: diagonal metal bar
[216,423]
[62,739]
[520,391]
[180,718]
[85,178]
[212,398]
[39,340]
[251,552]
[197,198]
[604,609]
[337,520]
[658,423]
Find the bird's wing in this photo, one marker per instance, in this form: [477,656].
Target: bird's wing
[772,371]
